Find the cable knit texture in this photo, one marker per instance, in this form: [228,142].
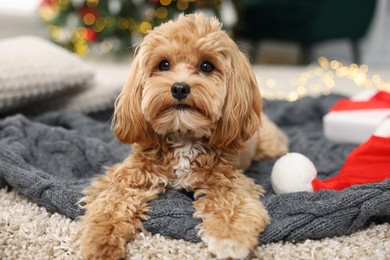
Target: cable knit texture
[33,69]
[51,158]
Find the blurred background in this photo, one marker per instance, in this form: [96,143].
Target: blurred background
[294,32]
[297,47]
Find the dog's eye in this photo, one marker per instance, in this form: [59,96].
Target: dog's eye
[164,65]
[206,67]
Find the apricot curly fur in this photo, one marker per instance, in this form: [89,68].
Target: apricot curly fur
[193,143]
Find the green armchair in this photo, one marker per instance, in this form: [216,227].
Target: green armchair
[306,22]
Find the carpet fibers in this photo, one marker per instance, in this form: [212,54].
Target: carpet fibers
[30,232]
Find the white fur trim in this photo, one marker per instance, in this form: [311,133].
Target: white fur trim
[293,172]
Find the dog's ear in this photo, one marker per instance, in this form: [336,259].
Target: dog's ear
[129,123]
[241,113]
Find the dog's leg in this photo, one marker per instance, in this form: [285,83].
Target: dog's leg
[232,213]
[271,141]
[115,205]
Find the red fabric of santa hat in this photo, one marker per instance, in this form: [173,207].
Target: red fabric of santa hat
[368,163]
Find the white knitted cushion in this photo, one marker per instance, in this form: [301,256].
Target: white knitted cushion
[96,95]
[33,69]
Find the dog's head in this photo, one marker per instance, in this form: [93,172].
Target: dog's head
[189,78]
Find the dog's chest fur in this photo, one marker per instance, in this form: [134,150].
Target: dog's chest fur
[185,152]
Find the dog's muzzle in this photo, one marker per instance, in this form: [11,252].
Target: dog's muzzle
[180,90]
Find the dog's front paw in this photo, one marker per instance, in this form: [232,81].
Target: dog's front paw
[102,247]
[226,248]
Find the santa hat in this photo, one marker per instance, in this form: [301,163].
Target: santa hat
[368,163]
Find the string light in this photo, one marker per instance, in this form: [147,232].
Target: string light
[145,27]
[161,12]
[100,24]
[321,80]
[165,2]
[63,4]
[132,25]
[271,83]
[123,23]
[182,5]
[89,18]
[150,14]
[105,46]
[92,3]
[48,13]
[110,21]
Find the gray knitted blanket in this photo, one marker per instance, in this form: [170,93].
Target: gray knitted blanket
[52,157]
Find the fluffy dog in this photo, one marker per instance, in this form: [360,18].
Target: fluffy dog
[189,105]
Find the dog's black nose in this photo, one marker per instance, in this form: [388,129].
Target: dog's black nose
[180,90]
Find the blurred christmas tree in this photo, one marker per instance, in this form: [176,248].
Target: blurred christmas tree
[106,26]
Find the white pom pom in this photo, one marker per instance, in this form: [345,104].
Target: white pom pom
[293,172]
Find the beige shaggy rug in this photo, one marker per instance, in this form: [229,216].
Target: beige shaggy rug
[30,232]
